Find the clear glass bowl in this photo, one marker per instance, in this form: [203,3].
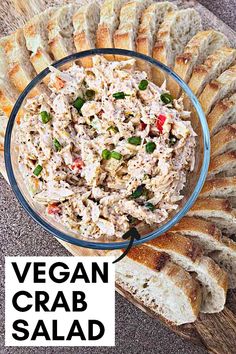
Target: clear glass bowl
[195,179]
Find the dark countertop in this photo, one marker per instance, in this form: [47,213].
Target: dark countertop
[135,331]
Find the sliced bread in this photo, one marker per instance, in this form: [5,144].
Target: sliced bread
[8,93]
[108,24]
[223,165]
[36,37]
[214,65]
[196,51]
[223,141]
[175,31]
[225,256]
[221,249]
[222,187]
[206,233]
[60,31]
[151,20]
[223,113]
[130,14]
[188,255]
[21,72]
[85,22]
[218,211]
[218,89]
[157,283]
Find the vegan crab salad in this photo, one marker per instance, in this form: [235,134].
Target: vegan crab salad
[105,149]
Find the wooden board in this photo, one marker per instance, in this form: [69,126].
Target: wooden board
[217,332]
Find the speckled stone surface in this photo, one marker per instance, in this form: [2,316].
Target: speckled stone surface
[136,333]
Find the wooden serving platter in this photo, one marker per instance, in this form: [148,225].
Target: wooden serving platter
[217,332]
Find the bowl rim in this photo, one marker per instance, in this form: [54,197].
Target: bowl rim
[108,245]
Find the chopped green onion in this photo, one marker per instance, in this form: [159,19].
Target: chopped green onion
[135,140]
[172,140]
[45,116]
[57,145]
[166,98]
[138,192]
[37,170]
[114,129]
[78,103]
[116,155]
[119,95]
[150,147]
[143,85]
[150,206]
[106,154]
[90,94]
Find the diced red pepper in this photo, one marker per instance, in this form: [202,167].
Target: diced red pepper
[142,126]
[160,121]
[100,113]
[53,209]
[77,164]
[59,83]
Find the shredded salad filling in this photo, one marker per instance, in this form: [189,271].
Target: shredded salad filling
[105,149]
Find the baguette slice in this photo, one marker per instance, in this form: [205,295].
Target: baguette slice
[159,284]
[224,141]
[226,258]
[36,37]
[8,93]
[218,211]
[214,65]
[223,165]
[223,187]
[130,15]
[175,31]
[85,22]
[109,22]
[218,89]
[223,113]
[209,237]
[151,20]
[196,51]
[60,31]
[207,234]
[188,255]
[21,72]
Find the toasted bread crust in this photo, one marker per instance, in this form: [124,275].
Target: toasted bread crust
[81,44]
[159,261]
[222,163]
[6,103]
[211,204]
[177,243]
[153,260]
[198,48]
[199,226]
[223,141]
[40,60]
[218,89]
[220,115]
[18,77]
[104,37]
[211,68]
[151,19]
[218,187]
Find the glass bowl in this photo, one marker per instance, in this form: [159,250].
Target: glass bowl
[195,179]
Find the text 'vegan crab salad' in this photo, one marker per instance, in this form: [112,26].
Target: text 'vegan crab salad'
[107,147]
